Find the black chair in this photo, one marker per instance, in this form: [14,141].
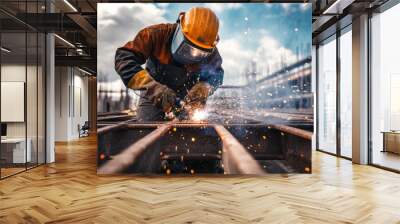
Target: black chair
[84,130]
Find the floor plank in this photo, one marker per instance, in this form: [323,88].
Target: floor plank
[69,191]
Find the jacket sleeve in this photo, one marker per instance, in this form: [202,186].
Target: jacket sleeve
[212,72]
[130,58]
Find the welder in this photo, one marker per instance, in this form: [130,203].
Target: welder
[182,64]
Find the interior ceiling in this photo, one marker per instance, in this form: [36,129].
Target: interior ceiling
[326,24]
[76,24]
[79,28]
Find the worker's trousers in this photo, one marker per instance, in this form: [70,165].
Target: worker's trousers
[146,111]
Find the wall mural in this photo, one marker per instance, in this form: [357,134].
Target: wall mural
[204,88]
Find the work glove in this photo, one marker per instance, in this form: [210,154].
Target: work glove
[197,96]
[160,95]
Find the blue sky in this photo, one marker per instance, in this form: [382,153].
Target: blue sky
[268,34]
[281,21]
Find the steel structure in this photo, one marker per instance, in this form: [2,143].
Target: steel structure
[128,147]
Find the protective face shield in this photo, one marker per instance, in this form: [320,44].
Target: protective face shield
[185,52]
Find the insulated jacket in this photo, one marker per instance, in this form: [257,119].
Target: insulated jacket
[152,45]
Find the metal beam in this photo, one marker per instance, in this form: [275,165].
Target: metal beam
[330,30]
[86,26]
[84,61]
[285,69]
[320,23]
[49,22]
[205,125]
[114,117]
[83,23]
[130,154]
[235,157]
[112,127]
[338,6]
[294,131]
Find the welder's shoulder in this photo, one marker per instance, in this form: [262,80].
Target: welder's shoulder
[161,27]
[215,57]
[160,30]
[216,53]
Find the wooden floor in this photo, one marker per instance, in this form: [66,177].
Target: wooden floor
[10,171]
[69,191]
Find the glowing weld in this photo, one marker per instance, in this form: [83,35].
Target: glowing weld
[199,115]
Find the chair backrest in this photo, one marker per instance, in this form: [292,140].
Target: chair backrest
[86,125]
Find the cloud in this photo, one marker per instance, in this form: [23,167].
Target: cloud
[163,5]
[220,7]
[269,5]
[268,57]
[234,59]
[117,24]
[305,6]
[295,7]
[286,7]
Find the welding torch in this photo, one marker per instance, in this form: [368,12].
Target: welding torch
[187,110]
[179,111]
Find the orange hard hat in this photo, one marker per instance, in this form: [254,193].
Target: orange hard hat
[200,26]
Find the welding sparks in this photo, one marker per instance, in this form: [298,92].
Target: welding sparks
[199,115]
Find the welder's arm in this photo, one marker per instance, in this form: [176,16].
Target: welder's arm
[129,67]
[213,73]
[211,77]
[196,98]
[130,58]
[128,64]
[159,94]
[199,93]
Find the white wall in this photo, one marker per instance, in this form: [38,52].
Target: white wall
[61,103]
[81,104]
[33,127]
[71,94]
[16,73]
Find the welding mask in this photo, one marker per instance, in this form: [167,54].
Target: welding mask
[195,37]
[184,52]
